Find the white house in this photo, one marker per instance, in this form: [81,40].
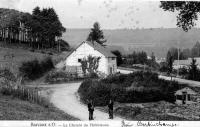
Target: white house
[185,63]
[107,62]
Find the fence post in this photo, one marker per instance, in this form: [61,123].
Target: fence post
[22,92]
[36,96]
[28,95]
[33,95]
[39,98]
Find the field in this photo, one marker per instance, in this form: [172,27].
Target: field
[12,58]
[15,109]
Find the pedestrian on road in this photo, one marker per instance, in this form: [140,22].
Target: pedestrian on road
[91,110]
[110,108]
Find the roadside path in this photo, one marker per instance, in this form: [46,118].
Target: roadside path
[179,80]
[65,98]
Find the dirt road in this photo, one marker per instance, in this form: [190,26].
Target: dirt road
[65,98]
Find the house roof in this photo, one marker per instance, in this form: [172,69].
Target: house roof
[186,89]
[101,49]
[98,47]
[187,62]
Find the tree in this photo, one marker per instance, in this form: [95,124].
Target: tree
[62,45]
[169,63]
[119,57]
[93,64]
[96,34]
[193,70]
[174,54]
[195,52]
[84,65]
[153,58]
[187,12]
[90,64]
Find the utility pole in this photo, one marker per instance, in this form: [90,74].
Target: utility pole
[178,60]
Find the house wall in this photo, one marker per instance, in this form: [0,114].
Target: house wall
[83,51]
[179,66]
[186,102]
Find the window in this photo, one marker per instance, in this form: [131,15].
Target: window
[79,60]
[113,58]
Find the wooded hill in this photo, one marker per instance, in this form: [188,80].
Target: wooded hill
[41,29]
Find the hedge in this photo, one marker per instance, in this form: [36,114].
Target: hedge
[131,88]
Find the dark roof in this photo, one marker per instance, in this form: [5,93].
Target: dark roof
[101,49]
[186,89]
[98,47]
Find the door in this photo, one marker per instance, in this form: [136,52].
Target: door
[184,97]
[111,70]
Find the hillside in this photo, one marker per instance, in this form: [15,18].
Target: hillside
[16,109]
[157,40]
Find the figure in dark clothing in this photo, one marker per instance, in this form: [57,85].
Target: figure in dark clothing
[91,110]
[110,109]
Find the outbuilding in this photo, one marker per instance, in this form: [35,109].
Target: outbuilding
[186,96]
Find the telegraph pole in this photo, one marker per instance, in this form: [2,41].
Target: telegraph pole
[178,59]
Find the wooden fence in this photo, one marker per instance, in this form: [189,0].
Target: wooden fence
[25,93]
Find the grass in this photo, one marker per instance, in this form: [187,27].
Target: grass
[19,56]
[143,111]
[23,54]
[15,109]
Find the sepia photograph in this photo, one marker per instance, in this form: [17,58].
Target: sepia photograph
[99,60]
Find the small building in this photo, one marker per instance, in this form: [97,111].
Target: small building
[186,96]
[107,62]
[185,63]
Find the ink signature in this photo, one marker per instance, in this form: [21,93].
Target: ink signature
[126,124]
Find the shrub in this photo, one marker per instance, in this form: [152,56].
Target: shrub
[128,110]
[50,53]
[46,64]
[34,69]
[7,74]
[32,50]
[61,76]
[132,88]
[42,51]
[98,92]
[93,75]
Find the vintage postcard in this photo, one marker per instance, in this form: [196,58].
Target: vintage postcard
[99,63]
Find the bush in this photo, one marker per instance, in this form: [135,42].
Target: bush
[34,69]
[128,110]
[32,50]
[132,88]
[93,75]
[98,92]
[61,76]
[43,52]
[50,53]
[7,75]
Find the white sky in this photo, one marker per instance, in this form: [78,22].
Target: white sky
[111,14]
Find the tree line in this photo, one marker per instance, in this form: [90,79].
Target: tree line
[184,53]
[41,29]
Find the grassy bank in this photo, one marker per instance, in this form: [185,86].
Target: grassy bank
[16,109]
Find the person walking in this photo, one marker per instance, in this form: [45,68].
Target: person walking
[110,109]
[91,110]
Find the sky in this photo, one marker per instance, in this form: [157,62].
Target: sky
[111,14]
